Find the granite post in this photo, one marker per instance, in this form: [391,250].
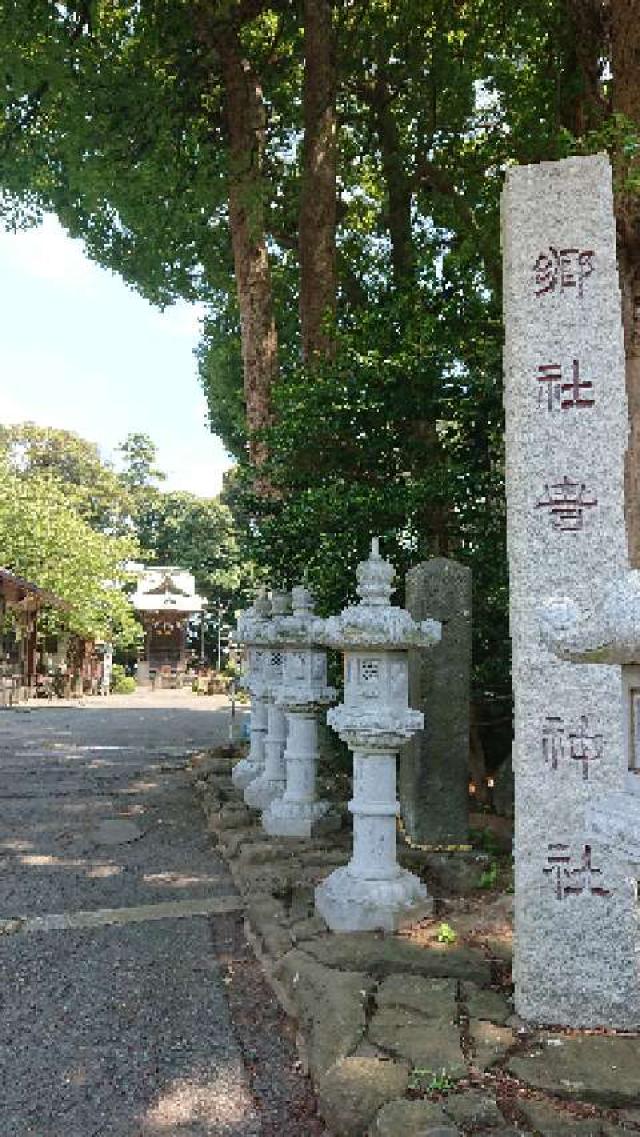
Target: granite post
[577,945]
[434,765]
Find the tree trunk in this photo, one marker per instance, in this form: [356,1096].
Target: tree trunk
[397,185]
[245,117]
[317,230]
[582,37]
[625,63]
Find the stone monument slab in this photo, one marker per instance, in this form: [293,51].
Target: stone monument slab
[576,955]
[434,765]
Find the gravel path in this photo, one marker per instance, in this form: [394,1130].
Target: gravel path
[121,1030]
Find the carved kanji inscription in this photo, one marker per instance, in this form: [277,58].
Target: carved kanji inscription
[568,881]
[559,270]
[566,502]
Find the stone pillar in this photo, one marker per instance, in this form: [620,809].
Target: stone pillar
[576,959]
[271,782]
[259,727]
[434,765]
[375,720]
[374,808]
[274,768]
[254,631]
[252,766]
[304,692]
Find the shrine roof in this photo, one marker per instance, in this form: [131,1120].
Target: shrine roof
[166,588]
[16,589]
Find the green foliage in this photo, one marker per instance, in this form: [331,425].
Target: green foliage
[121,683]
[430,1081]
[139,455]
[489,876]
[486,840]
[112,116]
[446,934]
[403,440]
[88,483]
[62,506]
[43,538]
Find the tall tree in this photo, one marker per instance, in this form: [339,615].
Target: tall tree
[43,538]
[89,483]
[317,220]
[245,119]
[140,471]
[625,65]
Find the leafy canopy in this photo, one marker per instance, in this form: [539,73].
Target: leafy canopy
[88,483]
[43,538]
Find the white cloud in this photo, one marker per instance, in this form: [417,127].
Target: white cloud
[81,351]
[48,253]
[182,320]
[201,476]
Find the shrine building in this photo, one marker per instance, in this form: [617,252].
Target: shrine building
[165,601]
[20,603]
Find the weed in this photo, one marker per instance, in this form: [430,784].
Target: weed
[429,1081]
[446,934]
[489,876]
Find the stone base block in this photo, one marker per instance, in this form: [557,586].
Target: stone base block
[262,791]
[284,818]
[244,772]
[349,903]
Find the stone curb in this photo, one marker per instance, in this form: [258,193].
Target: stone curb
[382,1021]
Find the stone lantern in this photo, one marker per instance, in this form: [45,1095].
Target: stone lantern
[304,692]
[253,633]
[372,890]
[271,782]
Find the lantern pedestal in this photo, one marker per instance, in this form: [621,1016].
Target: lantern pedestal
[298,813]
[372,891]
[271,782]
[252,766]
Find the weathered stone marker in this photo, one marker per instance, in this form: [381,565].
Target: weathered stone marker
[434,765]
[577,954]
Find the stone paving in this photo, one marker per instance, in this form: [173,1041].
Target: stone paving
[405,1036]
[115,1019]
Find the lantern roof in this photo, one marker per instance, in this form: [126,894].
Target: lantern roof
[254,624]
[374,622]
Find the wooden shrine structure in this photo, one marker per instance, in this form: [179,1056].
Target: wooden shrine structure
[165,601]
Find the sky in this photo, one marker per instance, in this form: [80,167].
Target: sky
[80,350]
